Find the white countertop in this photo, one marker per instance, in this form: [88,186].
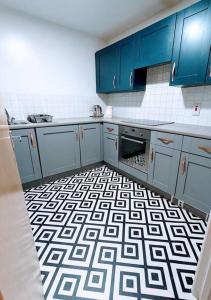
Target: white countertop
[183,129]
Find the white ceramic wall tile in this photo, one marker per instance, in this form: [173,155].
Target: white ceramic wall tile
[163,102]
[20,105]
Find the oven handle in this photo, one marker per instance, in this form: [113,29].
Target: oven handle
[132,140]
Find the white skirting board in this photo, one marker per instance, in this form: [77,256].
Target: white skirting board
[202,282]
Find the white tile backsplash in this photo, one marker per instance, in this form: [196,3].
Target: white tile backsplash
[160,101]
[60,106]
[163,102]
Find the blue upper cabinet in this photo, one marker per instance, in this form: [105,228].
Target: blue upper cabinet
[183,39]
[128,78]
[126,63]
[106,69]
[115,68]
[192,45]
[208,79]
[155,43]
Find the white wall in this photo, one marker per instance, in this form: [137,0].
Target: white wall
[45,67]
[162,102]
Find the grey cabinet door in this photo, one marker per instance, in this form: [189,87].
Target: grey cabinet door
[90,142]
[59,149]
[194,181]
[111,149]
[163,168]
[25,147]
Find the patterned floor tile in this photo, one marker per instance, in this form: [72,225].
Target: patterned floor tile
[102,236]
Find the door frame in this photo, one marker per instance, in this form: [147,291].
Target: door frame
[201,286]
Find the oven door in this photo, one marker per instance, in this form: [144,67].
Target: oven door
[134,152]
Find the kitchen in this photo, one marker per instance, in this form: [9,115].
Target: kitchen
[105,138]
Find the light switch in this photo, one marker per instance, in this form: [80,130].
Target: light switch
[196,109]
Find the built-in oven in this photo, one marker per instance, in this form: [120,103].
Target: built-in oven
[134,147]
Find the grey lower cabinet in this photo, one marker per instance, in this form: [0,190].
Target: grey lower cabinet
[111,150]
[90,143]
[65,148]
[194,181]
[59,148]
[26,152]
[163,168]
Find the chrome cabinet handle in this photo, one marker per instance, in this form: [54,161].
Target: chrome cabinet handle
[132,140]
[114,81]
[82,133]
[210,72]
[183,166]
[110,129]
[33,143]
[205,149]
[116,144]
[173,71]
[131,79]
[77,136]
[166,141]
[152,155]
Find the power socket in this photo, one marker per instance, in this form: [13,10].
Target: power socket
[196,109]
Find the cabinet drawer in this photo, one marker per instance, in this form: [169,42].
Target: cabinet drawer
[111,128]
[169,140]
[197,146]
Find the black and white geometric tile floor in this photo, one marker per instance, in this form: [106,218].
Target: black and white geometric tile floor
[102,236]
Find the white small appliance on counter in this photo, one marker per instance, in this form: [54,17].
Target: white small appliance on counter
[97,111]
[109,112]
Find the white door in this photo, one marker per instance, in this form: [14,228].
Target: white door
[19,267]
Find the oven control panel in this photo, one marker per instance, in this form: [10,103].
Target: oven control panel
[135,132]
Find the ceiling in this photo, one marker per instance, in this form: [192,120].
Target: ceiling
[102,18]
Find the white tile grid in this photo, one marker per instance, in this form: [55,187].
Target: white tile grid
[60,106]
[159,101]
[163,102]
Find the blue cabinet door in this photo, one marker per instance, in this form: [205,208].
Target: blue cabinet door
[90,143]
[163,168]
[111,149]
[59,149]
[192,45]
[26,152]
[129,79]
[194,181]
[115,68]
[106,69]
[209,67]
[125,63]
[155,43]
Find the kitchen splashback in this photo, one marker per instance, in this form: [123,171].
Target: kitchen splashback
[162,102]
[158,102]
[60,106]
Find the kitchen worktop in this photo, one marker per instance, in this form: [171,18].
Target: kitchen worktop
[184,129]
